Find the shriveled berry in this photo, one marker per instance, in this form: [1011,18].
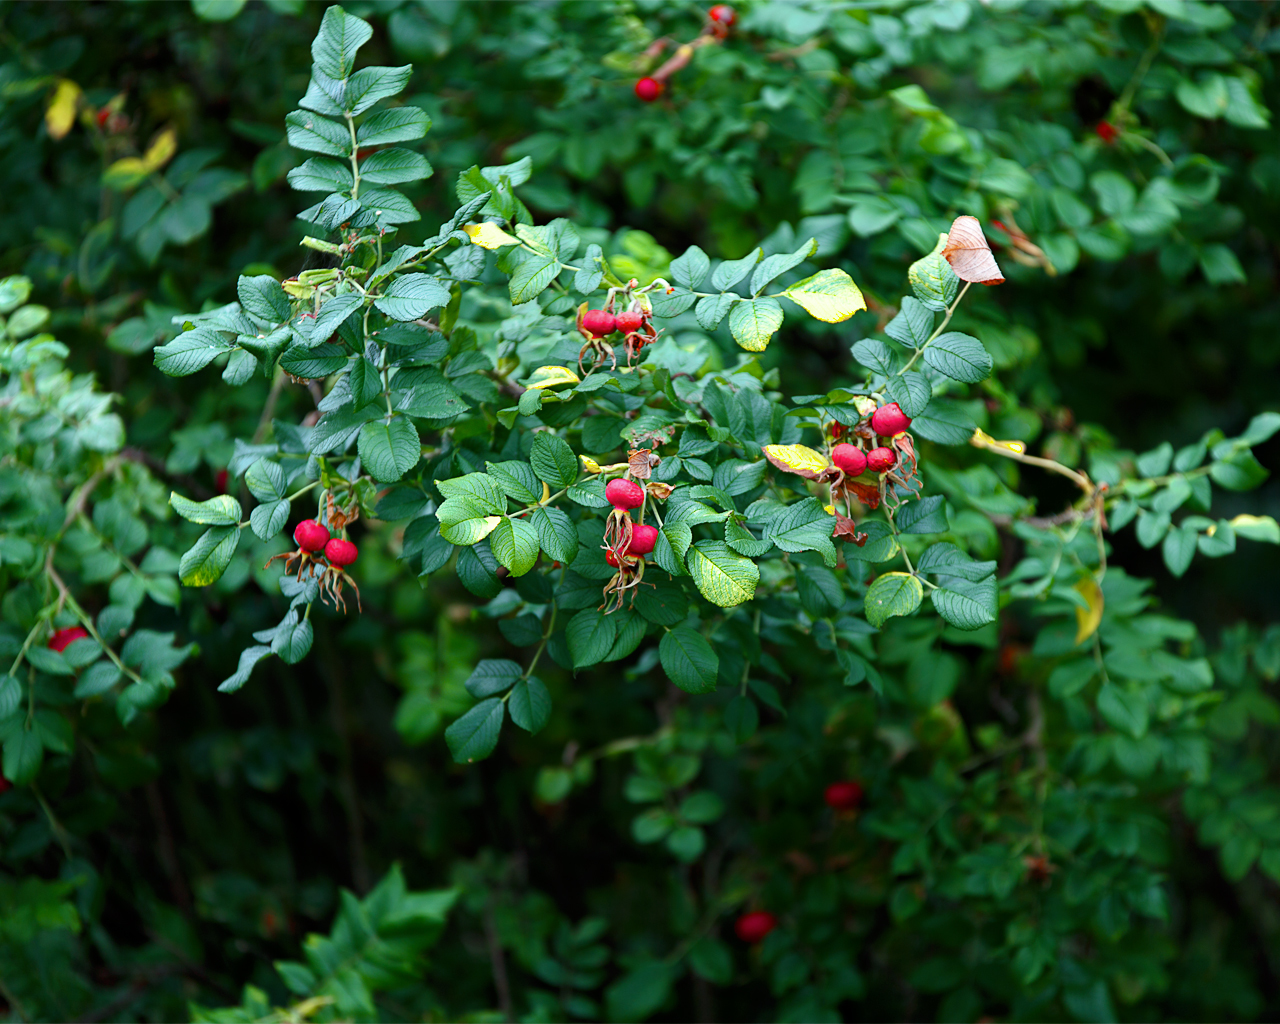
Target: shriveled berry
[598,322]
[753,927]
[643,538]
[340,552]
[64,638]
[850,458]
[723,13]
[648,89]
[880,459]
[311,535]
[624,494]
[889,420]
[631,320]
[843,796]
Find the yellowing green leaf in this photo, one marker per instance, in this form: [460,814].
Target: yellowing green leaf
[161,150]
[796,458]
[723,576]
[1087,622]
[753,322]
[1263,528]
[828,295]
[894,593]
[489,236]
[552,376]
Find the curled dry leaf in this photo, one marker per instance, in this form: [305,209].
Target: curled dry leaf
[659,490]
[969,254]
[846,527]
[641,461]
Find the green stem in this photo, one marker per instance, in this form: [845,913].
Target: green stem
[937,331]
[355,164]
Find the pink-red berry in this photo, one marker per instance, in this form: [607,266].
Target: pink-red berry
[631,320]
[310,535]
[880,459]
[753,927]
[624,494]
[889,420]
[843,796]
[648,89]
[598,322]
[340,552]
[643,538]
[1106,132]
[849,458]
[64,638]
[723,13]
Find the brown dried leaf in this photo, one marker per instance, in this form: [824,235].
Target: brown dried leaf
[969,254]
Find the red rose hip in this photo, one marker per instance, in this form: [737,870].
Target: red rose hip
[880,459]
[624,494]
[723,13]
[843,796]
[1106,132]
[648,89]
[889,420]
[753,927]
[311,535]
[340,552]
[849,458]
[64,638]
[598,322]
[631,320]
[643,538]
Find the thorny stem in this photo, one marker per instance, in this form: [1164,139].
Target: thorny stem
[937,330]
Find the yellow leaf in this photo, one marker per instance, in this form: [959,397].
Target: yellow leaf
[1087,621]
[828,295]
[982,439]
[161,151]
[546,493]
[590,465]
[489,236]
[126,173]
[60,114]
[552,376]
[796,458]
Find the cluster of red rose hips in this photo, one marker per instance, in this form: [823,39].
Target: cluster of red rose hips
[312,536]
[887,421]
[624,495]
[597,324]
[319,551]
[719,18]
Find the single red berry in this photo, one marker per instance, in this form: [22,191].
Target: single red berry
[648,89]
[340,552]
[101,116]
[723,13]
[611,558]
[1106,132]
[598,323]
[643,538]
[624,494]
[843,796]
[631,320]
[64,638]
[880,459]
[850,458]
[753,927]
[5,785]
[889,420]
[220,481]
[311,535]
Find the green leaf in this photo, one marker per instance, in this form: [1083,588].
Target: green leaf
[465,521]
[394,167]
[741,718]
[515,544]
[804,526]
[1239,472]
[553,460]
[364,381]
[723,576]
[673,541]
[968,606]
[223,510]
[640,993]
[263,297]
[369,85]
[530,704]
[313,363]
[925,515]
[517,479]
[754,321]
[894,593]
[474,736]
[309,131]
[690,270]
[689,660]
[1123,709]
[959,357]
[334,48]
[945,559]
[389,449]
[556,534]
[1178,549]
[492,676]
[913,324]
[412,296]
[532,276]
[190,352]
[268,519]
[10,696]
[1155,462]
[318,174]
[590,635]
[711,309]
[778,264]
[23,753]
[730,272]
[912,391]
[209,557]
[249,657]
[933,280]
[399,124]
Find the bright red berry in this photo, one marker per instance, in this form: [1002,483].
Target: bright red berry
[624,494]
[220,481]
[632,320]
[598,322]
[723,13]
[340,552]
[643,538]
[64,638]
[753,927]
[648,89]
[611,558]
[843,796]
[889,420]
[1106,132]
[5,785]
[850,458]
[310,535]
[880,459]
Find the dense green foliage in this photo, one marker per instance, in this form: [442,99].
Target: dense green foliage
[492,770]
